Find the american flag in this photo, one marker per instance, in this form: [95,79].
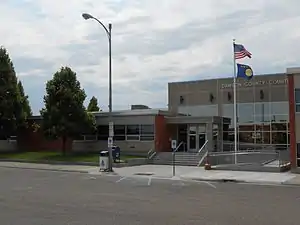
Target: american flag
[240,52]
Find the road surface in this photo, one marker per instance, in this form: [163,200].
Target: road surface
[32,197]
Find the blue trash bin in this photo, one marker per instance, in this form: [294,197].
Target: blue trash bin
[117,153]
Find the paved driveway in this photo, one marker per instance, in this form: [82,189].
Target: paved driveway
[31,197]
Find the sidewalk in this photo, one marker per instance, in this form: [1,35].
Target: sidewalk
[199,174]
[166,172]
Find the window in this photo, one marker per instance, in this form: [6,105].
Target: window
[279,138]
[262,118]
[245,113]
[147,133]
[228,112]
[297,99]
[263,137]
[262,108]
[297,107]
[279,127]
[102,132]
[298,154]
[119,132]
[133,132]
[279,108]
[199,110]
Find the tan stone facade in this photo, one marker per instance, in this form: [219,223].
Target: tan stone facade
[262,107]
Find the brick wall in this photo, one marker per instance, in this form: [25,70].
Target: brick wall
[162,135]
[35,141]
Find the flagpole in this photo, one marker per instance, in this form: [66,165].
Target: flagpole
[234,106]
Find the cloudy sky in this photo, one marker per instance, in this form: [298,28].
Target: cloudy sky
[154,42]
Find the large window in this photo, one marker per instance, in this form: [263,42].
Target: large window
[102,132]
[260,124]
[245,113]
[135,132]
[279,108]
[119,132]
[147,133]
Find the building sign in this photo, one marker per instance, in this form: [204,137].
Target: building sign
[256,83]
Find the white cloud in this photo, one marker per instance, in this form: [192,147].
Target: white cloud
[154,42]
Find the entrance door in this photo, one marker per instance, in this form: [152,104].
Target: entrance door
[202,139]
[192,138]
[196,137]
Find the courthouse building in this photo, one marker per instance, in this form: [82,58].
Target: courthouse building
[201,111]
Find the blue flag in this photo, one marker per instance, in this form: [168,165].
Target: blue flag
[244,71]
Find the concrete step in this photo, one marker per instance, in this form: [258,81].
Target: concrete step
[176,163]
[181,158]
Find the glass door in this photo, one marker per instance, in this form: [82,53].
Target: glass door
[192,139]
[202,139]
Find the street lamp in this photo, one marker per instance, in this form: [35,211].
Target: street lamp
[87,16]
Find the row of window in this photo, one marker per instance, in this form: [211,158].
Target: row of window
[277,138]
[263,127]
[137,132]
[246,112]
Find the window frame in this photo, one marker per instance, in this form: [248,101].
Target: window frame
[297,101]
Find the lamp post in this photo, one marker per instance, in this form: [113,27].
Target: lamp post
[87,16]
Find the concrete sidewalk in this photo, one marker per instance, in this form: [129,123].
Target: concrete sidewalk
[199,174]
[166,172]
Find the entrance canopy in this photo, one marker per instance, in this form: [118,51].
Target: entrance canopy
[197,132]
[198,119]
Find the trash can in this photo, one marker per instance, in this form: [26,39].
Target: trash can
[116,153]
[103,160]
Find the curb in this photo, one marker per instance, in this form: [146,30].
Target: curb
[65,163]
[44,169]
[285,183]
[58,170]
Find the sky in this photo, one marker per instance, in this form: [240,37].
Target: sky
[153,42]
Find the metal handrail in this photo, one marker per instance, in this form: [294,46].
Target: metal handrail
[149,152]
[176,149]
[203,157]
[203,146]
[153,154]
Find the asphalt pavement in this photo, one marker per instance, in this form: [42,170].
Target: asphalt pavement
[35,197]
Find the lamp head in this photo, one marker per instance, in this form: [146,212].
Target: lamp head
[87,16]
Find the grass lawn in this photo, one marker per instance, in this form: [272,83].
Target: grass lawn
[56,156]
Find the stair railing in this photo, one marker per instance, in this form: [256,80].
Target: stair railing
[203,146]
[202,159]
[176,149]
[151,154]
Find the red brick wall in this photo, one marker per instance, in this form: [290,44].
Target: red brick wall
[162,136]
[293,151]
[35,141]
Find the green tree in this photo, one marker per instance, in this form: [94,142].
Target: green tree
[24,100]
[64,114]
[11,113]
[93,105]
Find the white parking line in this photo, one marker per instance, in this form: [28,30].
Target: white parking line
[209,184]
[122,178]
[149,181]
[203,182]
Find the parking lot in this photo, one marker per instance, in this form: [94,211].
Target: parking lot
[31,197]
